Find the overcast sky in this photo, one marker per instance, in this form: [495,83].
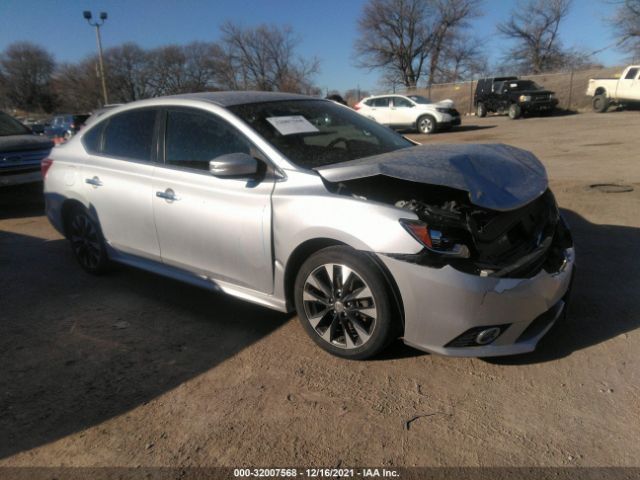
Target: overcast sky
[327,28]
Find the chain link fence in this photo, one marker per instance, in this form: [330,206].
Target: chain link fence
[570,88]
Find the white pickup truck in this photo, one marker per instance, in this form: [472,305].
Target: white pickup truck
[623,90]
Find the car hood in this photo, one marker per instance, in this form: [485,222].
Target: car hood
[15,143]
[496,176]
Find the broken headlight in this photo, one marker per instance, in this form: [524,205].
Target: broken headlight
[434,240]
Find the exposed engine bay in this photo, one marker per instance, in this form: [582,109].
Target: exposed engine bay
[515,243]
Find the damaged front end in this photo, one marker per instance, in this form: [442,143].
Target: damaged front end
[513,242]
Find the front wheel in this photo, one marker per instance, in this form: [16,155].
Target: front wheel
[515,111]
[481,110]
[87,242]
[344,303]
[427,124]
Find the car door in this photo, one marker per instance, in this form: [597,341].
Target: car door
[402,112]
[629,85]
[215,227]
[379,110]
[117,177]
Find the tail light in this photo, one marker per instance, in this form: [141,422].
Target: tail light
[45,165]
[357,106]
[72,126]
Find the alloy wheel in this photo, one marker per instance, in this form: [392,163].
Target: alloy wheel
[85,241]
[339,306]
[426,125]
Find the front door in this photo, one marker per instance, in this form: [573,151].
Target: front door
[214,227]
[629,86]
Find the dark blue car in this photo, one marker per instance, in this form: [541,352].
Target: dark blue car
[20,152]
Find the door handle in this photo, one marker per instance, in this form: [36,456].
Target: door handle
[95,181]
[168,195]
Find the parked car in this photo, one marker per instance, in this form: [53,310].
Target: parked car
[295,202]
[512,95]
[20,152]
[617,91]
[410,112]
[65,126]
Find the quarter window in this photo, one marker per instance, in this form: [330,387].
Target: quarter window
[130,135]
[193,139]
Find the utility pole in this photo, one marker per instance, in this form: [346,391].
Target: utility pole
[97,24]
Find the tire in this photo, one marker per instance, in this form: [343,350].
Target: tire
[515,111]
[354,319]
[481,110]
[87,242]
[600,103]
[426,124]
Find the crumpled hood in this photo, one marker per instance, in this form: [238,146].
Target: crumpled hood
[497,176]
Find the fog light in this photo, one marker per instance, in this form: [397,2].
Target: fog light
[487,336]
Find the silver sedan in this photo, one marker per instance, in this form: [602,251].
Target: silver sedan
[299,203]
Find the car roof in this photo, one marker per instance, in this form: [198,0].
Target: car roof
[230,98]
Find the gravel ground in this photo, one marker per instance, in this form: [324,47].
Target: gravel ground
[131,369]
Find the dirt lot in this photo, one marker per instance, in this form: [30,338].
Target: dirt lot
[131,369]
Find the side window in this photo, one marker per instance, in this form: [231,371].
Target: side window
[195,138]
[401,102]
[381,102]
[631,74]
[130,135]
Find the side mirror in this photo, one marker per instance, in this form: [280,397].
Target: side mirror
[233,165]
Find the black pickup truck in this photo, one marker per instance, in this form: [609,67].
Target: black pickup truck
[20,152]
[512,95]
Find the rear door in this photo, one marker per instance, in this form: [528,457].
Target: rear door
[215,227]
[379,109]
[117,177]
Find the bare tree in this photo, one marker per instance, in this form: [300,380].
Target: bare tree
[77,86]
[626,24]
[405,39]
[128,73]
[395,36]
[263,58]
[452,17]
[463,59]
[534,27]
[26,70]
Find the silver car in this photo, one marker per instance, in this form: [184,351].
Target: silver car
[299,203]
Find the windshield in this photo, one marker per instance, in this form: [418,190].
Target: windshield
[10,126]
[523,85]
[419,99]
[315,133]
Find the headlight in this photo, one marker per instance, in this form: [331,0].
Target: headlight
[524,98]
[434,240]
[552,95]
[442,110]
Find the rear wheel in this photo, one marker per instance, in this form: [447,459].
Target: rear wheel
[600,103]
[87,242]
[481,110]
[427,124]
[344,304]
[515,111]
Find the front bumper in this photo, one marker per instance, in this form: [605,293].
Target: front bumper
[540,106]
[442,304]
[450,120]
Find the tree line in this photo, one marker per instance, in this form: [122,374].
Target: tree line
[409,42]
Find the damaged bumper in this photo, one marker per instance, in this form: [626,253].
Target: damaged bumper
[445,309]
